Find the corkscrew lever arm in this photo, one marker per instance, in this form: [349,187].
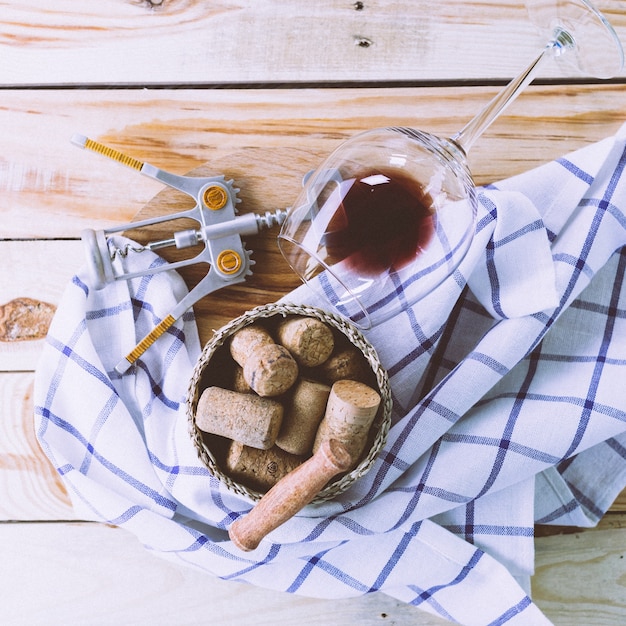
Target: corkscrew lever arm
[220,231]
[210,283]
[187,184]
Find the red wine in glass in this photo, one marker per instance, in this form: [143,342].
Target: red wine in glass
[382,221]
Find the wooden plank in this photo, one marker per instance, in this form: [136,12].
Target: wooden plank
[95,574]
[268,41]
[49,188]
[30,488]
[580,576]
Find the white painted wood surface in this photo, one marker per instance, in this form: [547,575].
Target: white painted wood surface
[268,41]
[91,574]
[58,570]
[102,575]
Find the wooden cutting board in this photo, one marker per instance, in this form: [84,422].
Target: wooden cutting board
[267,179]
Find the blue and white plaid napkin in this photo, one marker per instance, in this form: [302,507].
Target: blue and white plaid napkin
[509,408]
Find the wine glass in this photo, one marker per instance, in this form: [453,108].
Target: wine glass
[391,213]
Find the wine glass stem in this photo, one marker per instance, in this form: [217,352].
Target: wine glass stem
[466,137]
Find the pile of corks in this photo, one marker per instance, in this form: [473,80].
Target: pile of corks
[289,386]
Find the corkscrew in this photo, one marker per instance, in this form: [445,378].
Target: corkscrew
[219,231]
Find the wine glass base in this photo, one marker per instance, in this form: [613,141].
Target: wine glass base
[578,28]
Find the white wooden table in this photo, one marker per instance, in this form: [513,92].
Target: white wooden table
[182,83]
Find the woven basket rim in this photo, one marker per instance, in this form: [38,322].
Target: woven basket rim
[353,334]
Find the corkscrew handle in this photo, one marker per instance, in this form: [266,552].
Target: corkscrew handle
[290,494]
[186,184]
[144,344]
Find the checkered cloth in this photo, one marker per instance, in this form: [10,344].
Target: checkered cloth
[509,409]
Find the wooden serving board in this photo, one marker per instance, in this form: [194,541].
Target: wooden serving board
[267,179]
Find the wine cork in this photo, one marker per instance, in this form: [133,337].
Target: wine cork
[268,368]
[248,418]
[289,495]
[303,413]
[351,409]
[345,363]
[308,339]
[259,469]
[245,340]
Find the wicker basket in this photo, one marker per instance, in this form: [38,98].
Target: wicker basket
[207,445]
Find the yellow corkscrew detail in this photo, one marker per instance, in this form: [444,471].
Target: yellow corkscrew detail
[215,197]
[150,338]
[228,262]
[116,155]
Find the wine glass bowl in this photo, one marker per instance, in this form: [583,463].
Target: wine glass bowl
[391,213]
[384,220]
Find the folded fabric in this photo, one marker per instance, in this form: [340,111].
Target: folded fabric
[506,383]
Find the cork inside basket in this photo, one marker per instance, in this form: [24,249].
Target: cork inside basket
[211,369]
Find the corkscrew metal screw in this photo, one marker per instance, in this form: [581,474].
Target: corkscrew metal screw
[219,231]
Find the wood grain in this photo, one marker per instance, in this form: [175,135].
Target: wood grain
[50,188]
[580,576]
[31,489]
[142,42]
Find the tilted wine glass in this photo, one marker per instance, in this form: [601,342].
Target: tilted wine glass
[391,213]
